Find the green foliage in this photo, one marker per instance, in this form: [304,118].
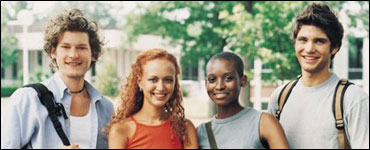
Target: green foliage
[184,92]
[267,35]
[39,75]
[8,90]
[189,24]
[107,80]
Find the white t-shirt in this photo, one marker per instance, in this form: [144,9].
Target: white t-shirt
[308,120]
[81,130]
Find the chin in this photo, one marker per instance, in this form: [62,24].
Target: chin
[75,75]
[159,103]
[221,103]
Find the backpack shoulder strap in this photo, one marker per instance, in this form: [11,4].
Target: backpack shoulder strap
[338,112]
[211,137]
[54,109]
[284,94]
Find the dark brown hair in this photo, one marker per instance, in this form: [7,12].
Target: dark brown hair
[321,16]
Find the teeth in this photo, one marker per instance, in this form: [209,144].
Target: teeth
[159,95]
[310,58]
[74,63]
[220,95]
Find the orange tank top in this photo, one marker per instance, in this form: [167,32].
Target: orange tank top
[154,137]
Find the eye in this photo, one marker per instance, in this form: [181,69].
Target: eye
[229,78]
[153,80]
[301,39]
[65,46]
[82,48]
[320,41]
[168,80]
[211,79]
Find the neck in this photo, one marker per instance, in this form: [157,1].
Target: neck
[73,84]
[151,114]
[227,111]
[312,79]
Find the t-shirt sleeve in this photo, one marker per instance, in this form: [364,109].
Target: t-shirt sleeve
[273,103]
[202,135]
[357,117]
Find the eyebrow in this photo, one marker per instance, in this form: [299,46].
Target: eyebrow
[158,77]
[227,73]
[82,44]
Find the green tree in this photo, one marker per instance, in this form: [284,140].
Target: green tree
[189,24]
[9,52]
[265,33]
[107,80]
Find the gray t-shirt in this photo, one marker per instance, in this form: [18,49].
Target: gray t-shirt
[240,131]
[308,120]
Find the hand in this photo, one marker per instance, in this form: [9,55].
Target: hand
[72,146]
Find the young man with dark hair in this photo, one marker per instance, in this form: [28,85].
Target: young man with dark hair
[72,42]
[308,115]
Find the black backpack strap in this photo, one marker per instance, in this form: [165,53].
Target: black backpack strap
[338,112]
[211,137]
[54,109]
[284,94]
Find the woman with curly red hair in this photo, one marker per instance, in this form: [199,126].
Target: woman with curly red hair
[150,114]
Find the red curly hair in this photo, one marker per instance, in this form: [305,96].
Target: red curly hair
[132,98]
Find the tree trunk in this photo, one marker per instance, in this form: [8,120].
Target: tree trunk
[245,92]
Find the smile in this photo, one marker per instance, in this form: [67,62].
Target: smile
[160,95]
[74,63]
[310,59]
[220,95]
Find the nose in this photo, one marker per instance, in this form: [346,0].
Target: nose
[160,86]
[309,47]
[220,85]
[73,53]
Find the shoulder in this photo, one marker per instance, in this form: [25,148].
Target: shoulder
[354,92]
[106,102]
[355,97]
[189,124]
[192,134]
[105,106]
[267,119]
[121,133]
[201,129]
[275,94]
[122,128]
[24,96]
[268,122]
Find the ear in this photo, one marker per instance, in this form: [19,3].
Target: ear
[334,51]
[139,82]
[243,80]
[93,58]
[53,54]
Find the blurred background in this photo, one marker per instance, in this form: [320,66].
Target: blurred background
[260,32]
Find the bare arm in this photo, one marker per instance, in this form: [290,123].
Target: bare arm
[272,132]
[118,138]
[192,136]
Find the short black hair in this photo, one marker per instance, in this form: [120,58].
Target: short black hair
[320,15]
[238,63]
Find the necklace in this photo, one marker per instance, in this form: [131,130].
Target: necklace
[75,92]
